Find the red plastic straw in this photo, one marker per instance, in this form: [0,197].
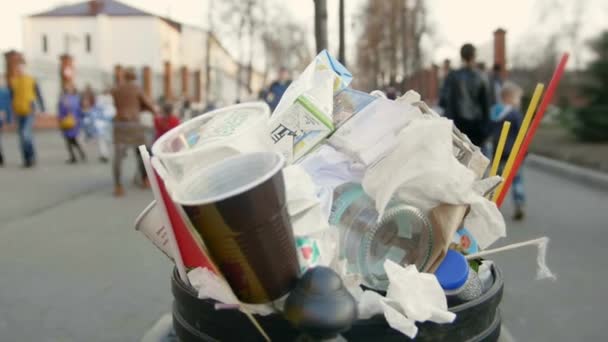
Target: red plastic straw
[557,75]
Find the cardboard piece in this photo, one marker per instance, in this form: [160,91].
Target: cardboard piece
[446,219]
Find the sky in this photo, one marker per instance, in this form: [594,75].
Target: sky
[455,21]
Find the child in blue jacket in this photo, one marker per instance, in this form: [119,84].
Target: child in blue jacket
[509,110]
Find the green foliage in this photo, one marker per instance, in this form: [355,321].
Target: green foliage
[591,122]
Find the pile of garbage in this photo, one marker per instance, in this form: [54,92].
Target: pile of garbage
[387,195]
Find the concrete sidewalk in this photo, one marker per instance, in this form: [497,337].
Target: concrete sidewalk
[586,176]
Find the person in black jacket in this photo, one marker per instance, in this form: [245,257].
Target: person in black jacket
[466,98]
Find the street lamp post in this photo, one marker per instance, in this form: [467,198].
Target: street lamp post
[342,48]
[321,24]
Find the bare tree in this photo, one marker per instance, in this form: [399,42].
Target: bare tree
[321,24]
[419,29]
[286,45]
[244,18]
[557,27]
[566,20]
[391,42]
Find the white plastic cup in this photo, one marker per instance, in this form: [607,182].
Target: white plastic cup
[211,137]
[150,223]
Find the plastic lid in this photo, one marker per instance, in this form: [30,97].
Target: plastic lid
[453,271]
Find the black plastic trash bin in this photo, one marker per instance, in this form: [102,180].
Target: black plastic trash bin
[196,319]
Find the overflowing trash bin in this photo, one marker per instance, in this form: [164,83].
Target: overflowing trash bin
[341,214]
[196,319]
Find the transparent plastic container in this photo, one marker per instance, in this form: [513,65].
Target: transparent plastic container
[403,234]
[212,137]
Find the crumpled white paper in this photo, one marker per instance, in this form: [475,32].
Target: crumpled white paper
[422,171]
[410,97]
[411,297]
[371,133]
[209,285]
[328,169]
[303,205]
[487,185]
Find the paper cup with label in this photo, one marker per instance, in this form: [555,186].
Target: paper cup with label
[212,137]
[239,208]
[150,223]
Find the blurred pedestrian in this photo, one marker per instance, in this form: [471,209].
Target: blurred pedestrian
[277,88]
[95,126]
[6,112]
[391,93]
[130,101]
[483,72]
[166,120]
[446,69]
[104,104]
[509,110]
[466,98]
[496,81]
[24,96]
[185,111]
[210,106]
[88,94]
[70,121]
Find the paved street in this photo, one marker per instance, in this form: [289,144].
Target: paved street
[572,308]
[73,268]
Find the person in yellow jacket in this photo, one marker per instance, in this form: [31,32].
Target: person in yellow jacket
[24,95]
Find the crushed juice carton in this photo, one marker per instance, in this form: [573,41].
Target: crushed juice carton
[300,128]
[303,117]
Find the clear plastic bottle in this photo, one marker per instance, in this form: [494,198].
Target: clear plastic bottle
[403,234]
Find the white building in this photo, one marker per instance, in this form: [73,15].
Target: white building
[100,34]
[103,33]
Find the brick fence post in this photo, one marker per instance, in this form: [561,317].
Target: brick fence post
[197,85]
[500,49]
[185,81]
[147,80]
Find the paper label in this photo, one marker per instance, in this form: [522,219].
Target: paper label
[299,129]
[308,252]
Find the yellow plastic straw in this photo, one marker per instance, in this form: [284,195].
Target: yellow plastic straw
[501,146]
[520,136]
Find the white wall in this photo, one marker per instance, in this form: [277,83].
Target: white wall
[135,41]
[193,44]
[56,29]
[169,44]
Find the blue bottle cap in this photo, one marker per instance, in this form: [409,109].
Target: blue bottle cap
[453,271]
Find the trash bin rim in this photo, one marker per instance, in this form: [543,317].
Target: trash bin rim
[186,302]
